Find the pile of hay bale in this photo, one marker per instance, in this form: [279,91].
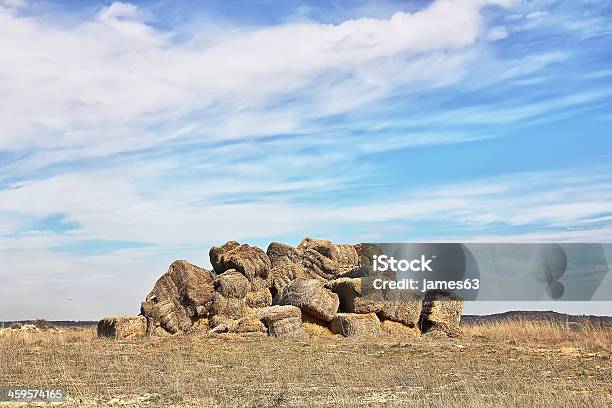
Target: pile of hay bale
[286,292]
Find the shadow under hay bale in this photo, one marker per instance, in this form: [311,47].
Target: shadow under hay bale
[398,330]
[124,327]
[315,327]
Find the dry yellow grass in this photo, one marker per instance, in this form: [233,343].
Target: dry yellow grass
[588,337]
[499,365]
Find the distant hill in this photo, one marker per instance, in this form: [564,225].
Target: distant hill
[56,323]
[539,316]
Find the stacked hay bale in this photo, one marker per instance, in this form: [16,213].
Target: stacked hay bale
[441,313]
[286,262]
[300,275]
[243,284]
[317,287]
[182,295]
[400,307]
[231,288]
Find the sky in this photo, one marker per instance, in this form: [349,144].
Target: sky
[136,133]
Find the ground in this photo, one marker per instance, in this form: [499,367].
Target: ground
[517,364]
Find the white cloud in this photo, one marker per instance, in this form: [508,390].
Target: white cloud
[536,14]
[497,33]
[116,72]
[112,205]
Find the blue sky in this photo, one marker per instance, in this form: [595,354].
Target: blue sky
[133,134]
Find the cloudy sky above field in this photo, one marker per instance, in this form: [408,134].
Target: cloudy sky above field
[133,134]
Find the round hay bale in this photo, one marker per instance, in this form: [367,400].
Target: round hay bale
[322,246]
[397,305]
[221,324]
[366,252]
[258,283]
[311,297]
[232,284]
[347,257]
[351,299]
[246,325]
[355,325]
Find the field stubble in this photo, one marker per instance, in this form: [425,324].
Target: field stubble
[515,363]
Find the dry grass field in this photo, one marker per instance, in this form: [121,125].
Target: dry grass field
[519,363]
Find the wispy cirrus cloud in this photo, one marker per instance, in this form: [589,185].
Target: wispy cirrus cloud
[57,96]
